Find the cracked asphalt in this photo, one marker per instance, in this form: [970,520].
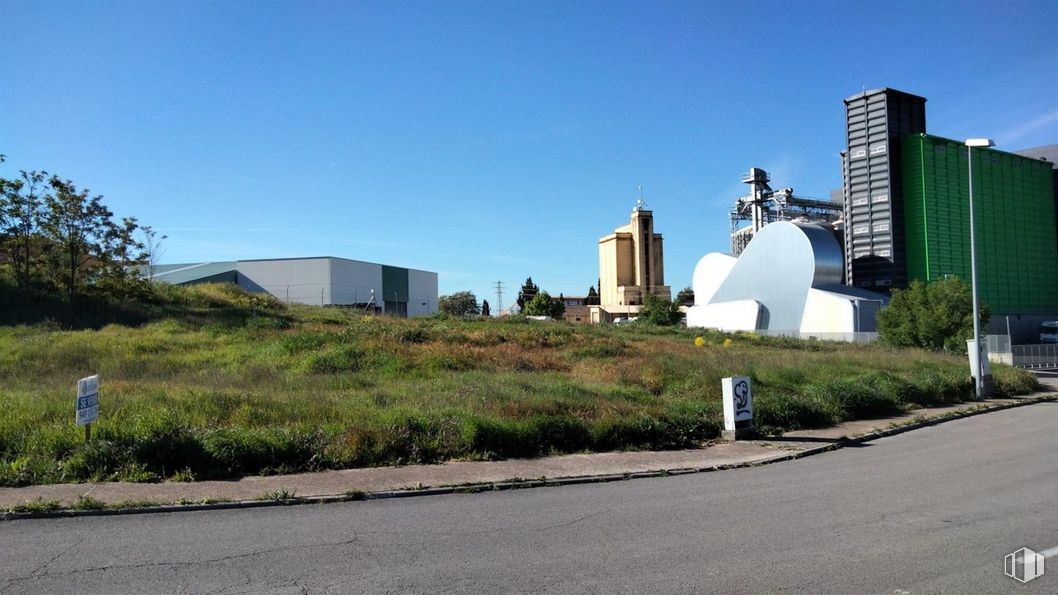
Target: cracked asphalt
[929,511]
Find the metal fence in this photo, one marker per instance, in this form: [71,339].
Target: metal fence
[351,296]
[1035,356]
[846,337]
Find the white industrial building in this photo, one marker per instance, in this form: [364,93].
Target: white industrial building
[319,281]
[786,281]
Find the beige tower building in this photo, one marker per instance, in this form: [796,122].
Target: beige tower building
[631,267]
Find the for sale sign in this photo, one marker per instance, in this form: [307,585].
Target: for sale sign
[87,400]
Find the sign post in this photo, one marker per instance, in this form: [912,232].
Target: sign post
[87,404]
[738,408]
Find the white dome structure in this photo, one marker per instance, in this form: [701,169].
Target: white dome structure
[788,279]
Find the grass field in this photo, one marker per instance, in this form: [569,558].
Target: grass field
[224,384]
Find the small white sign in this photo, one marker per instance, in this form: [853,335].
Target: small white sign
[87,400]
[738,402]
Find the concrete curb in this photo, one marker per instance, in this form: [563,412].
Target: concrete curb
[473,488]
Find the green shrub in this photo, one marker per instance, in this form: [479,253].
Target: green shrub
[344,358]
[794,412]
[1013,381]
[936,316]
[856,398]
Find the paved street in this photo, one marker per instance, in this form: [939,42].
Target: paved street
[933,510]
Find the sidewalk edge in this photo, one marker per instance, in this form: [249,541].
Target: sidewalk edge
[471,488]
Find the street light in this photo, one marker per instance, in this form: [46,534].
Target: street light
[978,367]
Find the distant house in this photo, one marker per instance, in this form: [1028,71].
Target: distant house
[577,310]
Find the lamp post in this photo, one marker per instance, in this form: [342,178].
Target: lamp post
[978,380]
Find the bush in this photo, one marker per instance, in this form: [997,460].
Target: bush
[794,412]
[857,398]
[461,303]
[659,311]
[936,316]
[1013,381]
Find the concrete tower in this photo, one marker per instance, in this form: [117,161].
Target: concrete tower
[631,267]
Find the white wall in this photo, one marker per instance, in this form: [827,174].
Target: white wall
[739,315]
[295,280]
[827,312]
[353,281]
[422,289]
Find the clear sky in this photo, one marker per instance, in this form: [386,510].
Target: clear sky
[486,140]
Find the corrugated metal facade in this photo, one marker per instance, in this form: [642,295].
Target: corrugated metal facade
[876,120]
[1017,247]
[320,281]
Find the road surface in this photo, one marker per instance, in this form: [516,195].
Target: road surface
[933,510]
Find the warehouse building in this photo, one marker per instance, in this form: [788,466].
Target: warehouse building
[319,281]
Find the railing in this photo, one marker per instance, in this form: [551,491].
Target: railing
[1035,356]
[861,337]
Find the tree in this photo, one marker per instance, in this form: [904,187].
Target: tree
[593,297]
[55,238]
[526,293]
[22,208]
[685,296]
[543,304]
[461,303]
[485,309]
[660,311]
[936,316]
[77,227]
[152,249]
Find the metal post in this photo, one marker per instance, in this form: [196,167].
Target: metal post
[87,433]
[978,381]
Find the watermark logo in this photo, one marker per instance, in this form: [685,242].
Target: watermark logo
[1023,565]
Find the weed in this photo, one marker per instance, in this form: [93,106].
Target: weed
[127,504]
[280,495]
[86,502]
[36,506]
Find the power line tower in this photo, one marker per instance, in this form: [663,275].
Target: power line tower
[499,296]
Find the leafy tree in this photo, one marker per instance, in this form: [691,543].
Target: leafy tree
[485,309]
[57,241]
[659,311]
[936,316]
[685,296]
[22,208]
[461,303]
[543,304]
[526,293]
[80,233]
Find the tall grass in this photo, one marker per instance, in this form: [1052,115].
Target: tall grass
[223,384]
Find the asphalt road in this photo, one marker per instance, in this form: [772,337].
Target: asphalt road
[933,510]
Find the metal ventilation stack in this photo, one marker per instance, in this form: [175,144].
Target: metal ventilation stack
[875,121]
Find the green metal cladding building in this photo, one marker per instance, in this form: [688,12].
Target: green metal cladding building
[1014,200]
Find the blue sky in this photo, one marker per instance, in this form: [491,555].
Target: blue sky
[486,140]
